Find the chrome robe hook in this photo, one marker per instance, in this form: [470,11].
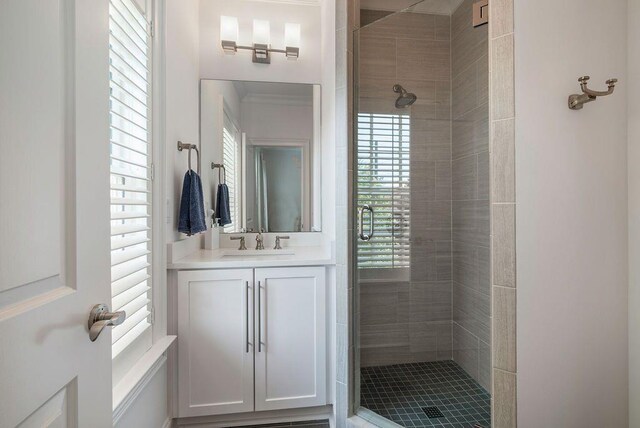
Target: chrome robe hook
[577,101]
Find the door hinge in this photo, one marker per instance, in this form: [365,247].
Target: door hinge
[152,172]
[152,29]
[152,316]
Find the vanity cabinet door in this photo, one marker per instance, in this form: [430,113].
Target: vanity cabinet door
[215,342]
[291,331]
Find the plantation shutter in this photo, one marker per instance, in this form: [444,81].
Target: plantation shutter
[384,183]
[231,158]
[131,175]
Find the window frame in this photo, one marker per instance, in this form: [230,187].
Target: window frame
[397,161]
[126,361]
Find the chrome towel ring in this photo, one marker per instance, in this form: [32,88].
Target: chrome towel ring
[182,146]
[220,168]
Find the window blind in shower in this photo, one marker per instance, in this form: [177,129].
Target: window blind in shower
[131,180]
[383,182]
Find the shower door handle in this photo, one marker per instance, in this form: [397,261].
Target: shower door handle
[364,236]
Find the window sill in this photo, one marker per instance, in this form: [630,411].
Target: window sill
[125,392]
[365,418]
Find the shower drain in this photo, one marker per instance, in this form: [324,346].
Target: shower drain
[432,412]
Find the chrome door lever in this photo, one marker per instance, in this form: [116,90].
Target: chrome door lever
[100,317]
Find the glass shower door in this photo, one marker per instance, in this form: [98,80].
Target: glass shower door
[421,254]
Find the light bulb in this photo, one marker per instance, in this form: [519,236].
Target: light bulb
[292,40]
[261,32]
[292,35]
[229,34]
[229,28]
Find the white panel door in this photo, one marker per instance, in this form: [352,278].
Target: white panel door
[215,342]
[291,338]
[54,212]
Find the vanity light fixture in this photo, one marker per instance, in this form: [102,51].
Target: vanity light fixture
[229,35]
[261,41]
[292,40]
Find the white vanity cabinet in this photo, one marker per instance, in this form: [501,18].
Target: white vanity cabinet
[251,340]
[215,333]
[291,329]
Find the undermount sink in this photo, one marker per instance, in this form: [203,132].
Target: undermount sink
[238,254]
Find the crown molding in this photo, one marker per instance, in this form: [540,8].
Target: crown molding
[290,100]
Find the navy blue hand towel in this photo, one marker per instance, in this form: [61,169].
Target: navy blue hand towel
[192,219]
[223,211]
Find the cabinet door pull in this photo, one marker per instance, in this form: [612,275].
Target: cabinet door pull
[247,314]
[259,317]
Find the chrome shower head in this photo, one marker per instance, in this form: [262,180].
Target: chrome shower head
[405,99]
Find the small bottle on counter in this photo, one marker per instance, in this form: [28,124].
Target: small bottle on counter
[212,236]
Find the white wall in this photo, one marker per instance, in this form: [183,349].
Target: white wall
[215,64]
[633,90]
[274,120]
[571,173]
[150,407]
[328,126]
[182,74]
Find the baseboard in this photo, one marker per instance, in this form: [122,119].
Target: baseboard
[168,423]
[257,418]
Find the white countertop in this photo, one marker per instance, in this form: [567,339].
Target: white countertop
[226,258]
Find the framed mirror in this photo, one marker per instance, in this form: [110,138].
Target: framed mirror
[260,144]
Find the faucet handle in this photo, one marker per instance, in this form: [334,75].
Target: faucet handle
[259,241]
[241,239]
[278,238]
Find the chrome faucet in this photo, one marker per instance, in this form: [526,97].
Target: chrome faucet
[259,241]
[278,238]
[241,239]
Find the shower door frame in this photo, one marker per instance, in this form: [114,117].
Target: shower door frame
[355,408]
[502,172]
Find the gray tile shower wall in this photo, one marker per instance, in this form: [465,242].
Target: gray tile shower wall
[409,320]
[501,45]
[470,195]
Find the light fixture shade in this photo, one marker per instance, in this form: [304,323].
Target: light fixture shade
[292,35]
[229,28]
[261,32]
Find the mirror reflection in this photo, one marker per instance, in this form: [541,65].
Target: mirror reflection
[261,155]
